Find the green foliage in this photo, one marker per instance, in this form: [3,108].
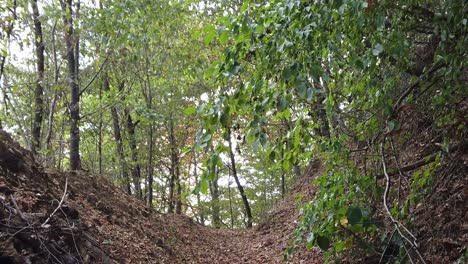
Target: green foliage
[343,67]
[289,81]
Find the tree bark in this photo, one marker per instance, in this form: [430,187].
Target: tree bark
[39,91]
[99,147]
[150,167]
[214,190]
[74,106]
[200,207]
[118,139]
[230,201]
[136,170]
[283,184]
[174,199]
[8,35]
[248,211]
[50,119]
[179,189]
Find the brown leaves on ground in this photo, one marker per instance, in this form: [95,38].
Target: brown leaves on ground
[99,223]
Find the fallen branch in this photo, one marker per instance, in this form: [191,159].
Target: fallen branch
[59,205]
[397,224]
[408,91]
[422,162]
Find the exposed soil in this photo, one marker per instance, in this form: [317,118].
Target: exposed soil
[98,223]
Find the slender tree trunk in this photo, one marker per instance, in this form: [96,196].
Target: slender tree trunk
[8,35]
[174,199]
[50,119]
[178,188]
[136,170]
[195,172]
[248,211]
[214,190]
[51,156]
[151,140]
[99,147]
[170,200]
[230,200]
[283,184]
[150,167]
[74,106]
[61,145]
[39,91]
[118,139]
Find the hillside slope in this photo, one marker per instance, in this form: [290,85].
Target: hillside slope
[95,222]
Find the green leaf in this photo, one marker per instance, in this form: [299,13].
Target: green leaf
[310,240]
[210,34]
[204,186]
[244,6]
[262,139]
[190,110]
[196,34]
[301,87]
[286,165]
[393,125]
[186,150]
[339,246]
[354,215]
[282,104]
[224,120]
[323,242]
[224,37]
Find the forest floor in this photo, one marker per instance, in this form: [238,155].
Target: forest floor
[96,222]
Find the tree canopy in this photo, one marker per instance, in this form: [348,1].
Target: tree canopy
[214,109]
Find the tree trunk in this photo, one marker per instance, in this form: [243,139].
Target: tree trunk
[51,157]
[230,201]
[150,167]
[283,184]
[174,199]
[99,147]
[178,188]
[248,211]
[39,91]
[149,100]
[118,139]
[170,200]
[214,190]
[8,35]
[136,171]
[195,172]
[74,106]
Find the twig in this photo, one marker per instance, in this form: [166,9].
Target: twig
[397,162]
[424,161]
[13,201]
[394,221]
[72,235]
[386,247]
[408,91]
[95,75]
[59,205]
[17,232]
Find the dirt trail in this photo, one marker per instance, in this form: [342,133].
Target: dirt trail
[98,223]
